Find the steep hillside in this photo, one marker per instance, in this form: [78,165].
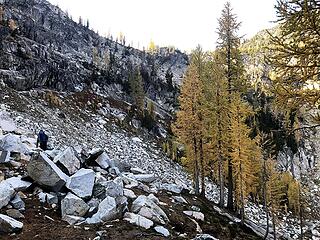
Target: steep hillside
[41,47]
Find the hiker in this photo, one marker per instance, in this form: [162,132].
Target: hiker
[43,140]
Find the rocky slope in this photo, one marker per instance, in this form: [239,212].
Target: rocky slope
[131,189]
[41,47]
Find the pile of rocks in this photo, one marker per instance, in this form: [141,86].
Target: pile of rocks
[87,187]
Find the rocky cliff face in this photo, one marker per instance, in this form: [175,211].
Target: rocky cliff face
[41,47]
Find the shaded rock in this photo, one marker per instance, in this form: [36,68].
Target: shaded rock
[18,203]
[82,182]
[52,198]
[14,213]
[122,204]
[107,210]
[114,171]
[18,184]
[73,205]
[196,215]
[6,193]
[113,189]
[69,160]
[9,224]
[162,230]
[138,220]
[103,160]
[99,191]
[4,156]
[43,171]
[137,170]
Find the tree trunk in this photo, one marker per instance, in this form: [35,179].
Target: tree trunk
[221,182]
[203,186]
[301,215]
[274,226]
[265,198]
[196,167]
[230,204]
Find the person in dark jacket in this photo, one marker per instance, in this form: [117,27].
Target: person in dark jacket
[42,140]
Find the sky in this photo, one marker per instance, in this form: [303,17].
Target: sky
[180,23]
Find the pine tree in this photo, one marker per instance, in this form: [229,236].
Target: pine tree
[136,90]
[152,48]
[228,46]
[242,152]
[189,124]
[216,105]
[275,192]
[295,53]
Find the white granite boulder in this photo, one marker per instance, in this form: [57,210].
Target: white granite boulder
[18,184]
[172,187]
[69,160]
[146,207]
[138,220]
[162,230]
[145,178]
[6,193]
[81,183]
[107,210]
[73,205]
[13,143]
[9,225]
[195,215]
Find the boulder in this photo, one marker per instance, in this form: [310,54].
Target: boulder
[107,210]
[82,182]
[18,203]
[138,220]
[147,208]
[52,198]
[18,184]
[137,170]
[4,156]
[9,224]
[14,213]
[113,188]
[73,205]
[72,220]
[162,230]
[195,215]
[103,160]
[6,193]
[43,171]
[69,160]
[122,204]
[145,178]
[171,187]
[129,193]
[53,153]
[13,143]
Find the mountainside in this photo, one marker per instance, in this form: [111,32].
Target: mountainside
[41,47]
